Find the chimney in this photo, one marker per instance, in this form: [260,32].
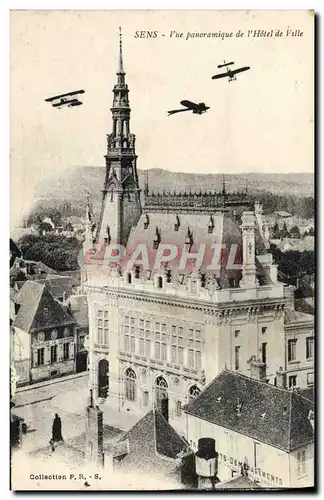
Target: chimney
[281,378]
[206,462]
[257,369]
[94,432]
[248,227]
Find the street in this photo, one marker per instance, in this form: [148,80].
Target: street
[37,406]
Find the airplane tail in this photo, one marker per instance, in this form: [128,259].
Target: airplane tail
[172,112]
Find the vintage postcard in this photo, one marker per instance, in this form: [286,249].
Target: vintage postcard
[162,271]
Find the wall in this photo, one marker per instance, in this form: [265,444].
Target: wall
[20,354]
[60,367]
[234,448]
[301,366]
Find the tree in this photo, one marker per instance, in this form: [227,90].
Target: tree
[284,233]
[54,250]
[275,231]
[295,232]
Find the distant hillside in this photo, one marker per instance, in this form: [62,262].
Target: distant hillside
[75,181]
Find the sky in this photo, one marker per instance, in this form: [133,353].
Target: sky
[263,122]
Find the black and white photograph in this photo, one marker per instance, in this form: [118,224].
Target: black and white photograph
[162,250]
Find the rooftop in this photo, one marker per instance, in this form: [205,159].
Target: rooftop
[39,309]
[269,414]
[153,446]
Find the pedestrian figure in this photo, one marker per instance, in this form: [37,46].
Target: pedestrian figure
[57,429]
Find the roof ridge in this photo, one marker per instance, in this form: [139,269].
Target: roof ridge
[253,379]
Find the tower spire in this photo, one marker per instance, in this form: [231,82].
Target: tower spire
[121,64]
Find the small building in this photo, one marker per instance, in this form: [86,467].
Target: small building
[43,337]
[154,448]
[300,349]
[78,307]
[267,430]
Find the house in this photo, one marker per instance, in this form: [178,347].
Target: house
[300,349]
[153,447]
[266,429]
[78,308]
[42,335]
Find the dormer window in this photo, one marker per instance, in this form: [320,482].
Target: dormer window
[189,240]
[177,223]
[146,222]
[157,239]
[137,272]
[211,225]
[159,282]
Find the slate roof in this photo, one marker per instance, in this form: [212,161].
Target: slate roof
[39,309]
[57,285]
[154,445]
[79,308]
[226,231]
[293,316]
[238,483]
[269,414]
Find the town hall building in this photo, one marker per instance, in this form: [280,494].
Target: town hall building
[159,335]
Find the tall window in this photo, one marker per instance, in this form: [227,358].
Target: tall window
[292,350]
[301,463]
[236,333]
[194,349]
[193,392]
[309,347]
[237,357]
[102,327]
[129,334]
[310,379]
[53,353]
[66,347]
[264,352]
[177,345]
[292,381]
[130,385]
[160,341]
[263,329]
[40,356]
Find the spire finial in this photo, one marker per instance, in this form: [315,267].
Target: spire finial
[121,65]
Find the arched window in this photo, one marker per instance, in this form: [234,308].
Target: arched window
[193,392]
[161,383]
[130,385]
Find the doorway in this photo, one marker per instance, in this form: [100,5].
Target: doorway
[162,398]
[103,378]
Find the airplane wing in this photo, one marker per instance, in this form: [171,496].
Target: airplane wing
[64,102]
[75,92]
[173,111]
[221,75]
[78,103]
[239,70]
[225,64]
[189,104]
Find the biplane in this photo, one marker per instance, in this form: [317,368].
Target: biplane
[230,73]
[197,109]
[58,101]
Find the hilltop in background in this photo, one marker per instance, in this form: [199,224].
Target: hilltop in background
[71,188]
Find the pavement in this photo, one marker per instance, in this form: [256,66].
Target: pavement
[68,397]
[75,403]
